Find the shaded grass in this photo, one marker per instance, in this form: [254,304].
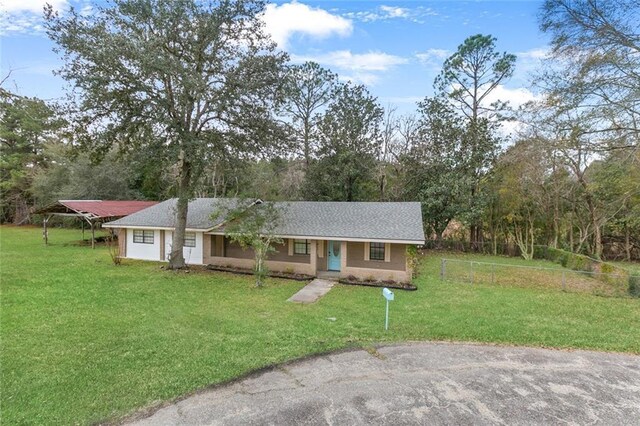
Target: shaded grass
[84,341]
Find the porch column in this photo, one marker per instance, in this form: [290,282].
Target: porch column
[162,253]
[313,256]
[122,241]
[343,256]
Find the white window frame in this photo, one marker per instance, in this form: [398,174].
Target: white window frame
[143,236]
[189,241]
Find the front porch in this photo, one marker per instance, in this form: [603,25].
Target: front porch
[328,259]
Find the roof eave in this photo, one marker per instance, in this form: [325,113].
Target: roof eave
[160,228]
[338,238]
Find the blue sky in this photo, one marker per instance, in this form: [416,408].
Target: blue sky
[396,48]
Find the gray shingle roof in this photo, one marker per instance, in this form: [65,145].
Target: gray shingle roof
[365,220]
[357,220]
[162,215]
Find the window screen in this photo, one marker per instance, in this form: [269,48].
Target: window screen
[142,236]
[376,251]
[189,239]
[301,247]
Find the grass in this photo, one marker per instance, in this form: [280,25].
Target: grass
[515,272]
[633,267]
[84,341]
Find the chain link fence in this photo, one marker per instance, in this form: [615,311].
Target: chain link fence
[611,250]
[473,272]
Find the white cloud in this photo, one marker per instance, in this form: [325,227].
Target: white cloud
[358,67]
[21,23]
[433,55]
[537,53]
[528,63]
[366,78]
[395,12]
[33,6]
[25,16]
[370,61]
[384,12]
[285,20]
[516,97]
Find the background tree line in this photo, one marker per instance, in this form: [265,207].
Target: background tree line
[241,121]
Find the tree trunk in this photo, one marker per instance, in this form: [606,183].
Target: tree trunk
[570,233]
[627,243]
[21,213]
[307,143]
[260,250]
[597,242]
[492,230]
[597,232]
[532,238]
[349,189]
[438,229]
[596,249]
[556,225]
[472,237]
[176,259]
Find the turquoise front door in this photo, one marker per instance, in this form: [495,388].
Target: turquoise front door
[333,249]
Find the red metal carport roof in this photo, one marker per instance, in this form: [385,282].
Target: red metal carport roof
[97,209]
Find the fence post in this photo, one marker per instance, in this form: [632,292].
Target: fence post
[564,284]
[443,269]
[471,275]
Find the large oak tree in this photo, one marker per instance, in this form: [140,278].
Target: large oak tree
[186,80]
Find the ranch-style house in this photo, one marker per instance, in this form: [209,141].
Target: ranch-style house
[361,239]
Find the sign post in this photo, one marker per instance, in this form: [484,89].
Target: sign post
[388,295]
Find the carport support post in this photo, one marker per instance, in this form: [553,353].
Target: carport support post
[93,236]
[45,231]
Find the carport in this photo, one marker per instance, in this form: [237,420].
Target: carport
[93,212]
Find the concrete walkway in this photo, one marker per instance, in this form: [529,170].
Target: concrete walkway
[312,291]
[426,383]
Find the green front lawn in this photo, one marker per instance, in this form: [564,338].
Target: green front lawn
[85,341]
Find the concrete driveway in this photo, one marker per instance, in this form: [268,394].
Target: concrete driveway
[427,383]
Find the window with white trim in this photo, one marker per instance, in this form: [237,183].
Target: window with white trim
[189,239]
[142,236]
[301,247]
[376,251]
